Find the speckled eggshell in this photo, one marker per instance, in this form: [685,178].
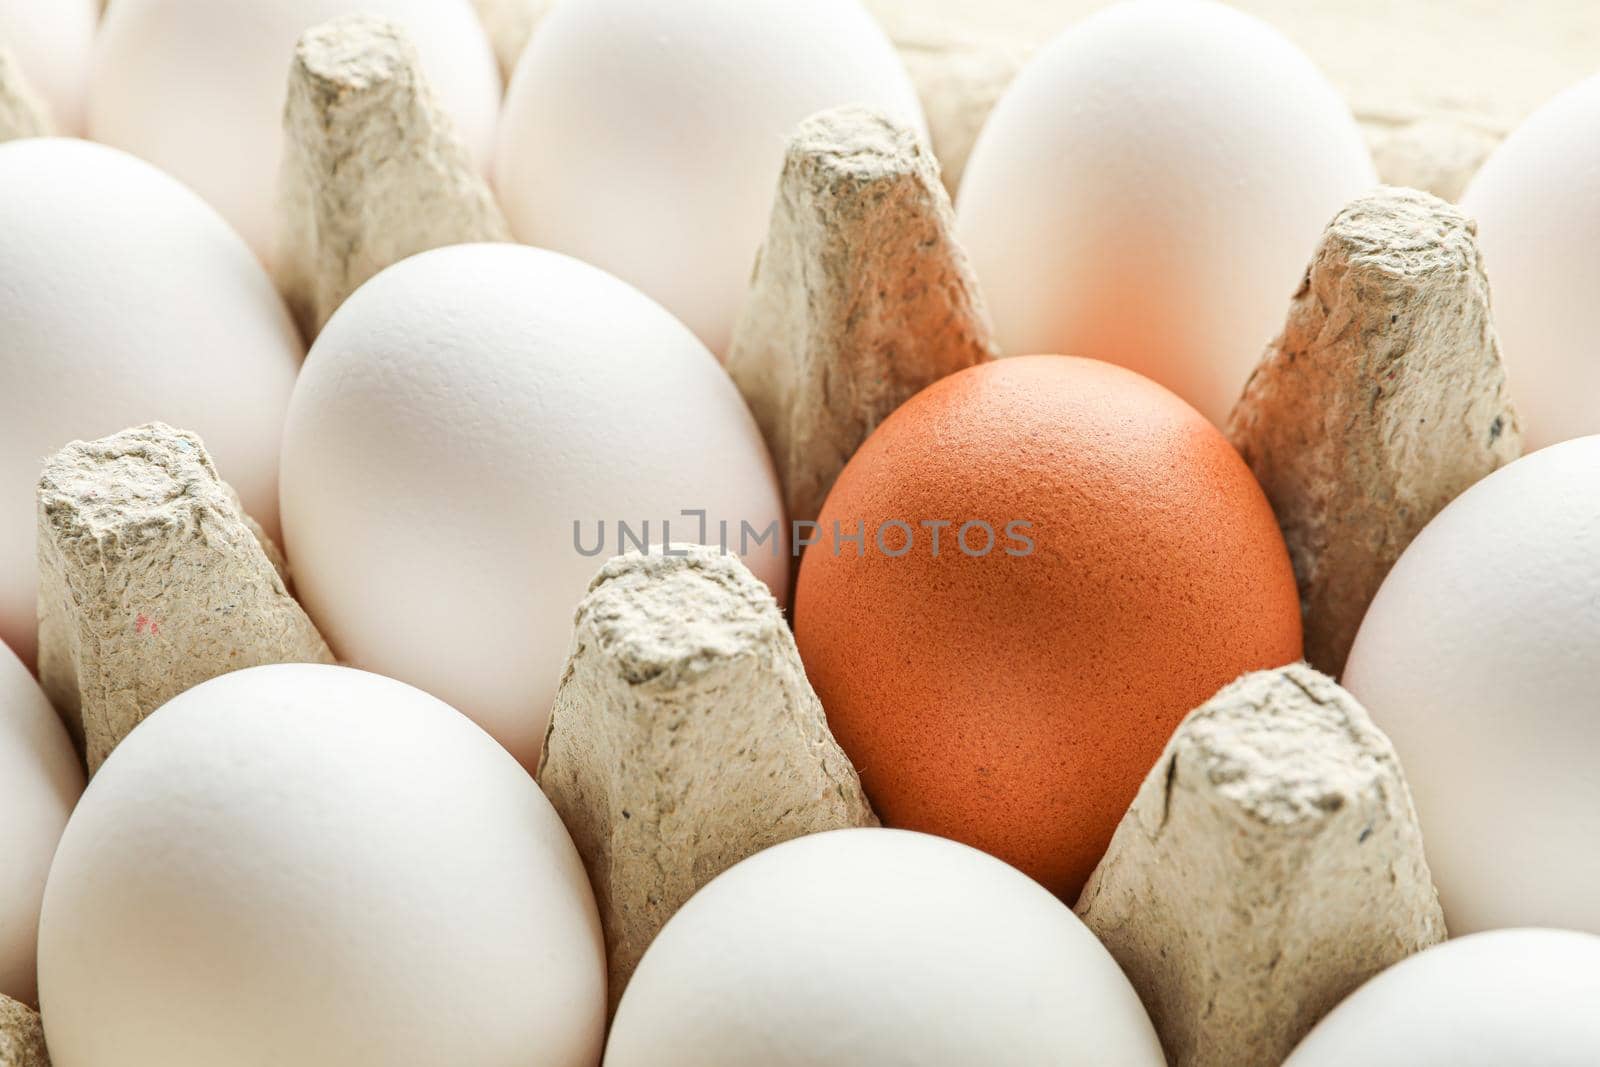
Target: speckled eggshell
[647,137]
[456,419]
[1492,999]
[125,299]
[40,779]
[877,947]
[1478,657]
[311,865]
[1016,702]
[1539,224]
[1150,190]
[51,40]
[198,87]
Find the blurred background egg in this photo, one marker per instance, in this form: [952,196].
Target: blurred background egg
[1492,999]
[464,423]
[1015,699]
[198,87]
[1150,190]
[1478,659]
[877,947]
[315,866]
[51,41]
[125,299]
[1538,218]
[646,137]
[40,779]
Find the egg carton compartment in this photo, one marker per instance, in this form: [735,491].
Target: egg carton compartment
[1271,863]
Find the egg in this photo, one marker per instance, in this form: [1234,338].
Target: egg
[1510,996]
[1056,561]
[312,865]
[124,299]
[52,41]
[471,433]
[877,947]
[1150,190]
[40,780]
[1538,224]
[1477,657]
[198,88]
[647,138]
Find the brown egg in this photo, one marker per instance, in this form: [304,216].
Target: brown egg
[1014,699]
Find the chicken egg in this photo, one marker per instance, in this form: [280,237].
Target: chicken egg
[1539,224]
[1023,581]
[1497,998]
[1477,657]
[647,138]
[311,865]
[877,947]
[471,433]
[40,779]
[1150,190]
[124,300]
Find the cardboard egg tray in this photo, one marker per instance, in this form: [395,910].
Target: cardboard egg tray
[1249,888]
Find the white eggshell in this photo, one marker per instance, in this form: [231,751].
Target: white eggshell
[456,419]
[877,947]
[51,40]
[1489,1000]
[1478,657]
[312,865]
[647,137]
[198,87]
[1150,190]
[125,299]
[40,779]
[1539,225]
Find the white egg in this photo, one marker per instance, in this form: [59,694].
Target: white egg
[877,947]
[1539,224]
[1492,999]
[40,779]
[311,865]
[647,138]
[198,88]
[51,40]
[1150,189]
[463,426]
[1478,658]
[125,299]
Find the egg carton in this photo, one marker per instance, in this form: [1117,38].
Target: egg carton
[1271,861]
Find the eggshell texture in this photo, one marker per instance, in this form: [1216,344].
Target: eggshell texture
[52,40]
[198,87]
[1477,657]
[40,779]
[877,947]
[1150,190]
[311,865]
[464,422]
[125,299]
[1015,702]
[1510,996]
[647,138]
[1539,224]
